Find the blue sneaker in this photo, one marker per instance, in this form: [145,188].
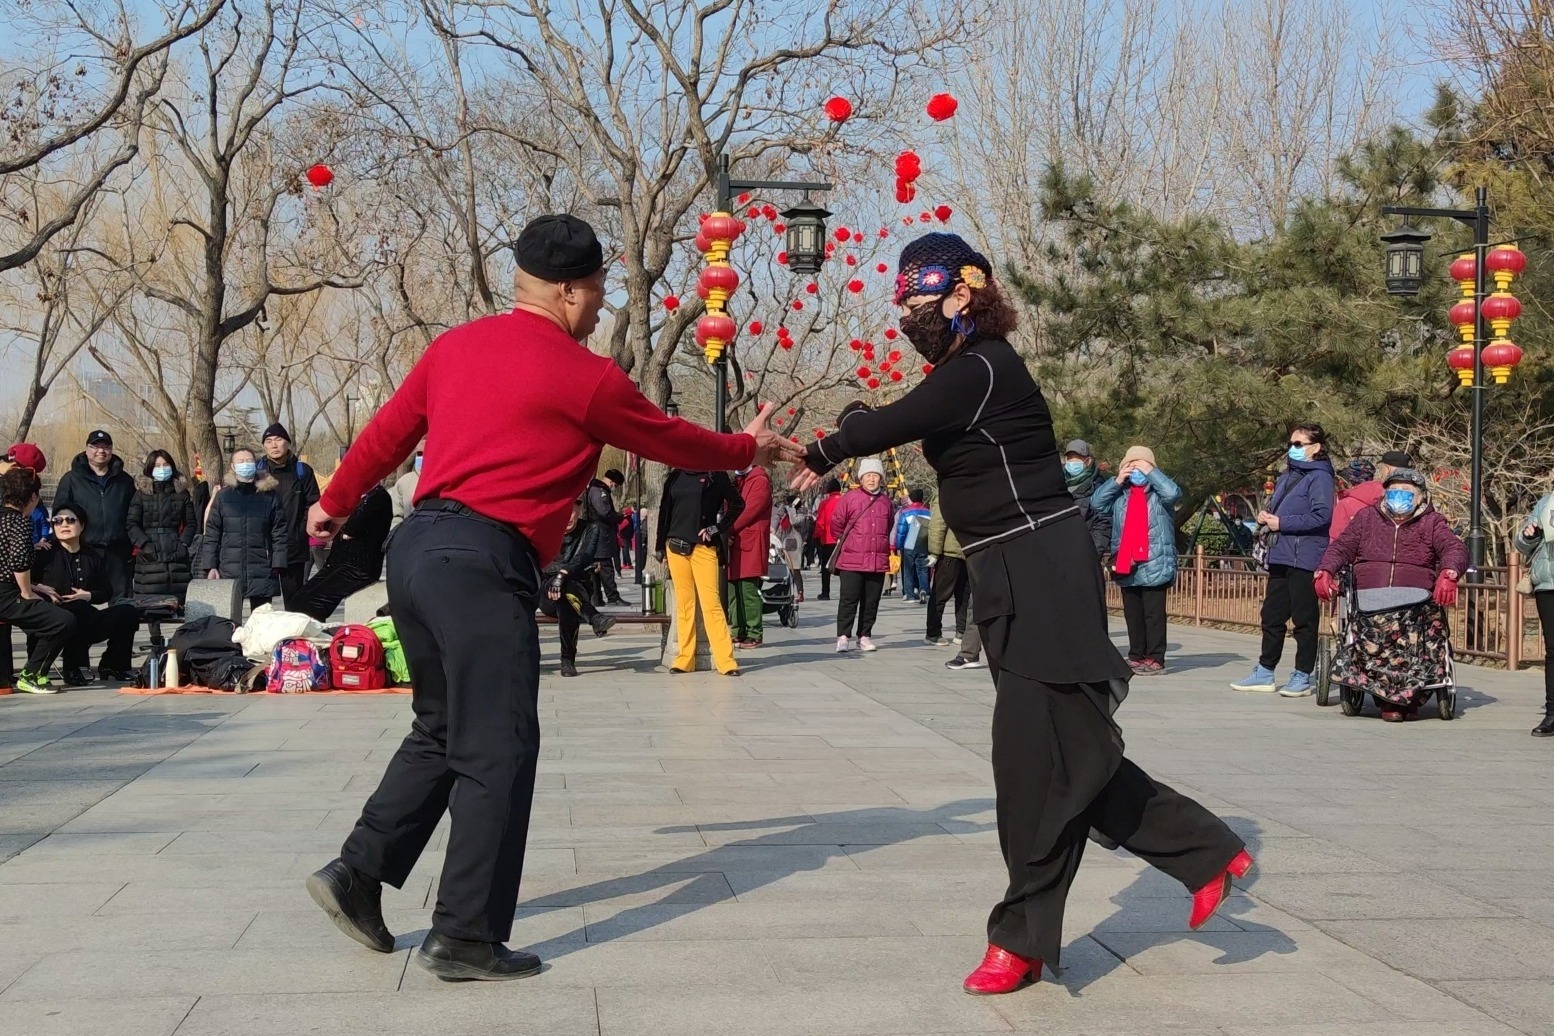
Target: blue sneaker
[1262,679]
[1300,685]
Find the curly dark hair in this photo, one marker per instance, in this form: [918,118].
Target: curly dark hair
[994,316]
[18,486]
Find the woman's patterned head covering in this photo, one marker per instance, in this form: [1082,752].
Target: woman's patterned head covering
[935,263]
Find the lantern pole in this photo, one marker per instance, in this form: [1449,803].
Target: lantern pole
[727,186]
[1477,218]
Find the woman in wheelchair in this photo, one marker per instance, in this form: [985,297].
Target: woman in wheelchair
[1406,562]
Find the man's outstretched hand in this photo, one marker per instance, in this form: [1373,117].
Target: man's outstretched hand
[771,449]
[321,524]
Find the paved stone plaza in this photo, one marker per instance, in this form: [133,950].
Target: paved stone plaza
[808,850]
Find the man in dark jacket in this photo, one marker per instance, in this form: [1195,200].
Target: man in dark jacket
[78,574]
[298,491]
[601,511]
[1079,474]
[99,490]
[1296,521]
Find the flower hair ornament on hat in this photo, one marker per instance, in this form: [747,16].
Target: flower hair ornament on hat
[934,270]
[561,273]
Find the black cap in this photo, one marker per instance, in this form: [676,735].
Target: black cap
[99,438]
[1397,459]
[559,248]
[615,475]
[276,431]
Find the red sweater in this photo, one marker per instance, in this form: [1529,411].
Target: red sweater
[515,413]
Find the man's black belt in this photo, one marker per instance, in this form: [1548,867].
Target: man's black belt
[454,507]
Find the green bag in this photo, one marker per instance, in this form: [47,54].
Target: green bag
[393,651]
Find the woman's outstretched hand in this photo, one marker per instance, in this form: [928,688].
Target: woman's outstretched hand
[803,479]
[771,449]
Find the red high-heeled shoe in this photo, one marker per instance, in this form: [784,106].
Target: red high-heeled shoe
[1207,900]
[1001,972]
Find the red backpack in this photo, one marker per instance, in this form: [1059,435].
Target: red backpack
[356,659]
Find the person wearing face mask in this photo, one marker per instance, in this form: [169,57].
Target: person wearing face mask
[402,492]
[1039,602]
[162,528]
[1082,479]
[1294,529]
[33,610]
[246,534]
[861,523]
[76,575]
[1404,554]
[1140,502]
[515,411]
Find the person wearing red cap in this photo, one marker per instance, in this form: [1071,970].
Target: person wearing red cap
[27,455]
[515,411]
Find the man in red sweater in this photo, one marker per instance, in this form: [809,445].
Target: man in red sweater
[514,411]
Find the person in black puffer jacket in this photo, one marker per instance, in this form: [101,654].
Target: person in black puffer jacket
[355,558]
[245,532]
[162,526]
[569,586]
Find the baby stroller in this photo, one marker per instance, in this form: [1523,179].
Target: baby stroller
[1400,653]
[777,592]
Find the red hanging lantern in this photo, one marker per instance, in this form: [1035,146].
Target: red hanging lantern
[895,356]
[755,327]
[1506,264]
[942,106]
[907,221]
[777,421]
[782,258]
[905,191]
[908,166]
[702,244]
[884,233]
[864,372]
[1499,310]
[882,268]
[744,197]
[838,109]
[1462,269]
[1500,358]
[852,260]
[925,217]
[868,350]
[855,286]
[820,433]
[927,368]
[873,383]
[891,333]
[1460,360]
[855,345]
[895,375]
[857,237]
[842,234]
[812,288]
[1461,317]
[720,226]
[797,305]
[785,343]
[671,302]
[943,213]
[792,411]
[769,211]
[715,327]
[719,278]
[320,176]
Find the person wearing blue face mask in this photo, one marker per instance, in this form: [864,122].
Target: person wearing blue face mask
[162,527]
[1139,504]
[246,532]
[1294,527]
[1082,479]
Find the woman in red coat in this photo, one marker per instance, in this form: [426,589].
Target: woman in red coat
[747,551]
[823,532]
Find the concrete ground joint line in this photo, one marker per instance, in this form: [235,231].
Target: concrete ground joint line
[186,1015]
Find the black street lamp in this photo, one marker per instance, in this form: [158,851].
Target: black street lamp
[806,251]
[1405,247]
[228,439]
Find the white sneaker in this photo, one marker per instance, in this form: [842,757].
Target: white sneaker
[841,644]
[865,644]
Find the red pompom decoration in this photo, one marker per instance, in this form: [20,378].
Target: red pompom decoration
[320,176]
[755,327]
[838,109]
[882,268]
[855,286]
[942,106]
[943,213]
[874,383]
[891,333]
[671,302]
[812,288]
[895,375]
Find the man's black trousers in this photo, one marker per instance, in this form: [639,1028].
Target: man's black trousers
[322,594]
[463,591]
[293,577]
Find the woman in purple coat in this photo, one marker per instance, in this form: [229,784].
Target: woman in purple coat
[1404,554]
[861,522]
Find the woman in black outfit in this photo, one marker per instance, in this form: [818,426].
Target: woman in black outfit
[162,526]
[34,611]
[1058,763]
[569,587]
[694,517]
[355,558]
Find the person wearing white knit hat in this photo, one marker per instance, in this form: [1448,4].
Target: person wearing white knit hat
[861,523]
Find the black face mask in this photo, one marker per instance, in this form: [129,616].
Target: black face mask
[931,333]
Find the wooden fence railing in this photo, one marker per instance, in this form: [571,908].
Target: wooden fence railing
[1491,621]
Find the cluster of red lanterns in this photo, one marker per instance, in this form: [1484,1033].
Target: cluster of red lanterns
[1501,355]
[908,168]
[718,281]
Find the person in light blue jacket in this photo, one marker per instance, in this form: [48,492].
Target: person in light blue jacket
[1142,501]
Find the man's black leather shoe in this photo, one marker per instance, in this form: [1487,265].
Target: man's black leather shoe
[1546,728]
[116,675]
[354,902]
[458,960]
[76,678]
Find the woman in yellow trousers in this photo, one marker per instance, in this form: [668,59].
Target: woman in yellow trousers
[697,510]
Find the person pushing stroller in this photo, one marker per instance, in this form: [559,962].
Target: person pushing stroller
[1406,563]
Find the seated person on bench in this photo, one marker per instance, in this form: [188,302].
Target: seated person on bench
[355,558]
[77,574]
[48,626]
[567,592]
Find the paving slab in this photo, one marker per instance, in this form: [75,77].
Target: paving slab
[820,836]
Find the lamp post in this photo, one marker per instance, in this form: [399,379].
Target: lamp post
[806,251]
[228,439]
[1405,251]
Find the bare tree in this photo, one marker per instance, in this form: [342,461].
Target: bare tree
[83,103]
